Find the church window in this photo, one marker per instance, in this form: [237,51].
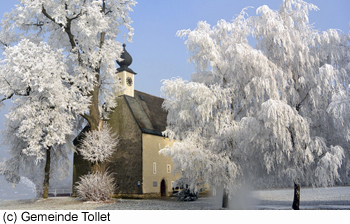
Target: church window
[154,168]
[168,168]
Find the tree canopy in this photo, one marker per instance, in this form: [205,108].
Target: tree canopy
[59,72]
[266,113]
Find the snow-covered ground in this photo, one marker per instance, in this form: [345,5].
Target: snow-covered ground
[310,198]
[317,198]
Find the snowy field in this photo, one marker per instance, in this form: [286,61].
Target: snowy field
[310,198]
[335,198]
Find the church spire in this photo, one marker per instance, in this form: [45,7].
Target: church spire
[124,64]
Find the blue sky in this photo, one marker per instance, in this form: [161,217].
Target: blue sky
[159,54]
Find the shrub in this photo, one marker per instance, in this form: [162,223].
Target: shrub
[98,186]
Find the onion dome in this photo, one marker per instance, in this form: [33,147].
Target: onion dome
[124,64]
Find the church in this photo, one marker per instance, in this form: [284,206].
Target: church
[138,120]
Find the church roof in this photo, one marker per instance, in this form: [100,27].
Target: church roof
[148,112]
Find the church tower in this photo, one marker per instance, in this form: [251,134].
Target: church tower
[139,120]
[125,74]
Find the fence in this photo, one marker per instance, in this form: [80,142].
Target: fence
[60,192]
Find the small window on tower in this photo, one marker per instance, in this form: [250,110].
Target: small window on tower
[141,97]
[154,168]
[168,168]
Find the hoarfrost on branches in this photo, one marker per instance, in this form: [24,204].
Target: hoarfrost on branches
[59,72]
[98,186]
[270,114]
[86,33]
[98,145]
[43,110]
[44,107]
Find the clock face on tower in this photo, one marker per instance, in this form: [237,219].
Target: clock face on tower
[129,81]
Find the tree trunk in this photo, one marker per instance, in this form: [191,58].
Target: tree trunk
[47,174]
[225,199]
[95,117]
[296,200]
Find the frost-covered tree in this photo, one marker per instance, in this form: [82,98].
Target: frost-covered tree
[85,31]
[260,113]
[79,37]
[97,146]
[44,105]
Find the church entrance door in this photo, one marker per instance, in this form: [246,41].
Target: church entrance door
[163,188]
